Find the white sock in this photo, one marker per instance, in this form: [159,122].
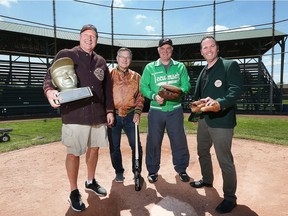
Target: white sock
[89,182]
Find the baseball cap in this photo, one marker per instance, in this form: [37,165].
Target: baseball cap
[88,27]
[165,41]
[62,62]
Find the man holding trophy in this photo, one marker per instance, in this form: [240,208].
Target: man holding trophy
[80,84]
[65,79]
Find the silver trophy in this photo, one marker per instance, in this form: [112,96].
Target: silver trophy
[65,79]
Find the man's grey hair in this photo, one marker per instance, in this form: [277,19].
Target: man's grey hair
[122,49]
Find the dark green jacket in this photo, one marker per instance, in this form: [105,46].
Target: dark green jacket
[224,84]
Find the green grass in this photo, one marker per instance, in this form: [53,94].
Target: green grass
[36,132]
[271,130]
[31,132]
[264,129]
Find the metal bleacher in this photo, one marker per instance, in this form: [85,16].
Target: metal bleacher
[258,88]
[21,90]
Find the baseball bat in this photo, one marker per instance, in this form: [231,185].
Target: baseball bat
[137,177]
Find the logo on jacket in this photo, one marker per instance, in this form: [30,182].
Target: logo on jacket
[218,83]
[99,73]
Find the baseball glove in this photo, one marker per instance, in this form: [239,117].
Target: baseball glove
[196,106]
[170,92]
[215,107]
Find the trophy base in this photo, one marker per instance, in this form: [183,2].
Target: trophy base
[74,94]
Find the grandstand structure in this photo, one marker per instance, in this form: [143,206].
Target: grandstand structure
[27,51]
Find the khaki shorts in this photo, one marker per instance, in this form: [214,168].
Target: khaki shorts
[78,137]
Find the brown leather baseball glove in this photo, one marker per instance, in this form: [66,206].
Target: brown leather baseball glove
[215,107]
[196,106]
[170,92]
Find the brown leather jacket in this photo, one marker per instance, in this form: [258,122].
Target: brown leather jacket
[126,94]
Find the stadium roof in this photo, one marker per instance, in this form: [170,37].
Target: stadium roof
[138,43]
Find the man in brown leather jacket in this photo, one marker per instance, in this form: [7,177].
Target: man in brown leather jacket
[128,102]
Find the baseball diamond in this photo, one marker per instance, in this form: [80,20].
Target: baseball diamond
[41,188]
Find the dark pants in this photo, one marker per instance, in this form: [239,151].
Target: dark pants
[174,123]
[222,140]
[114,135]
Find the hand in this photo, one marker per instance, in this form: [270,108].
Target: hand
[211,106]
[136,118]
[206,100]
[159,99]
[53,98]
[110,119]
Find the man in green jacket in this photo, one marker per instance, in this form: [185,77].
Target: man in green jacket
[218,87]
[165,114]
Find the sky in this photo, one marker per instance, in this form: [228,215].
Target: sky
[139,21]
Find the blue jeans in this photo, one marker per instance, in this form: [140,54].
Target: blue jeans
[114,135]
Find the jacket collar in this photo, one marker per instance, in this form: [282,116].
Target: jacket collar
[158,62]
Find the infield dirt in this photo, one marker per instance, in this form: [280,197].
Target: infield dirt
[34,182]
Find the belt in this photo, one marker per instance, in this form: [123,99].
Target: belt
[127,111]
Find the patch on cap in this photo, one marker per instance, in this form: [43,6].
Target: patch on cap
[164,41]
[88,27]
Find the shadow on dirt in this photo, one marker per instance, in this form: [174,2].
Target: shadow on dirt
[124,200]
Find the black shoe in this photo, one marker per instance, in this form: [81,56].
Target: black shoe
[184,177]
[119,177]
[96,188]
[76,201]
[226,206]
[200,184]
[153,177]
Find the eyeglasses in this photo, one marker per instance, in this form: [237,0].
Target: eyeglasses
[124,57]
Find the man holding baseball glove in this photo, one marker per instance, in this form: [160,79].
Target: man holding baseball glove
[164,82]
[218,87]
